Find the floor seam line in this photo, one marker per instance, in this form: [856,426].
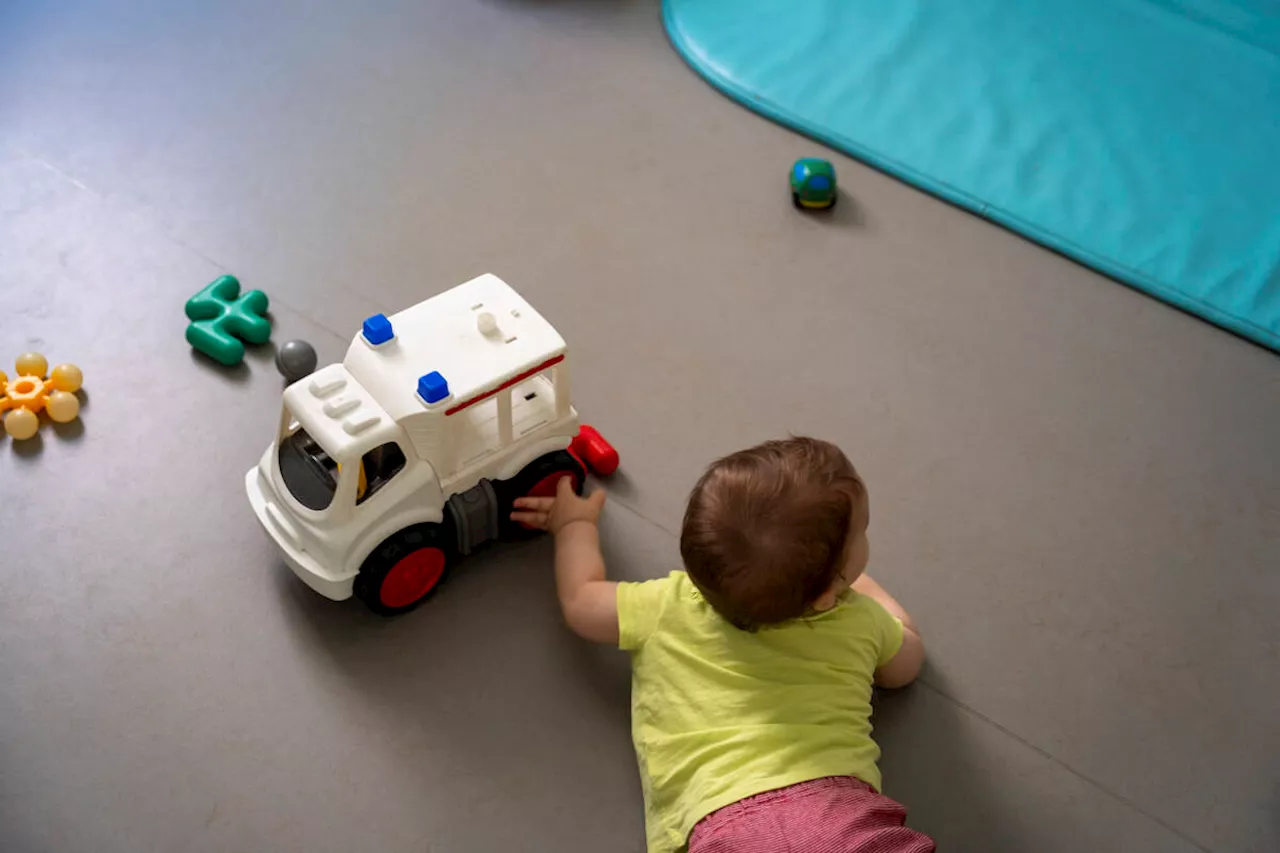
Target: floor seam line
[640,515]
[1094,783]
[145,213]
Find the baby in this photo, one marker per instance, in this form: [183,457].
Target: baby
[752,669]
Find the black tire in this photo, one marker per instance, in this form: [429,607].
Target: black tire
[795,201]
[406,568]
[834,199]
[536,475]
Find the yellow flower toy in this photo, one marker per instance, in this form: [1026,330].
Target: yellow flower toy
[30,391]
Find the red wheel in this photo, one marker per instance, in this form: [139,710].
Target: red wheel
[538,479]
[412,577]
[546,487]
[406,568]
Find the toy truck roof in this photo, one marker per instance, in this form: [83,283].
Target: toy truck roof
[453,348]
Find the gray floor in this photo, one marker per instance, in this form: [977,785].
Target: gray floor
[1075,488]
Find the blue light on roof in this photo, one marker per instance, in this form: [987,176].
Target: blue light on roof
[377,329]
[799,170]
[819,182]
[433,388]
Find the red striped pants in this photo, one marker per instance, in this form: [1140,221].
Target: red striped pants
[838,814]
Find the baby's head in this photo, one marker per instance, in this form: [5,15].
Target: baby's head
[776,531]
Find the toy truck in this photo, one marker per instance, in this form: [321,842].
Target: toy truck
[390,467]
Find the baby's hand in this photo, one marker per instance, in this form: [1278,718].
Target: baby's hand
[555,514]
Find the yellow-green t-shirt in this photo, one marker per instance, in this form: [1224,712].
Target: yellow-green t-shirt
[719,714]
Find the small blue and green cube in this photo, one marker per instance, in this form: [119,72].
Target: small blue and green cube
[813,184]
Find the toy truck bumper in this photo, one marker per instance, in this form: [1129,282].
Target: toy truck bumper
[284,533]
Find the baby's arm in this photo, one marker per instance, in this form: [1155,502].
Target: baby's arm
[903,667]
[589,601]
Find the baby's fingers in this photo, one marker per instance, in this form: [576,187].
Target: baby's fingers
[542,505]
[533,519]
[565,489]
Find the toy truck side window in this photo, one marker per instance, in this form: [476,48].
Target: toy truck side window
[377,468]
[496,418]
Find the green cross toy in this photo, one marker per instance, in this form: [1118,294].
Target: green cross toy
[219,315]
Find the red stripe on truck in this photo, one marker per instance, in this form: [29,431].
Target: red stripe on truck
[505,385]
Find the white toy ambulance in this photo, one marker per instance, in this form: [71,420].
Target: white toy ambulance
[388,468]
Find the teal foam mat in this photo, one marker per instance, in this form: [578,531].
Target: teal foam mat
[1141,137]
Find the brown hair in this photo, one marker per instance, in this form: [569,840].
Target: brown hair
[766,529]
